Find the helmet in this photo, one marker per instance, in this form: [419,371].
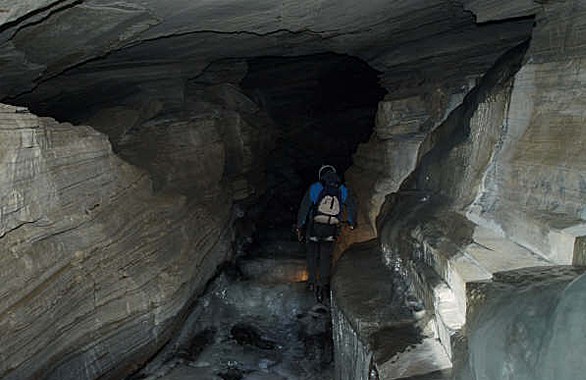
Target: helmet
[324,170]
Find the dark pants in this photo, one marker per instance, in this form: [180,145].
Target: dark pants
[319,257]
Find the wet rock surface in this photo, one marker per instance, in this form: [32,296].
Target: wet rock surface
[521,324]
[250,324]
[380,329]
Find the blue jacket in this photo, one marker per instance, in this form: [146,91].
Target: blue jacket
[311,197]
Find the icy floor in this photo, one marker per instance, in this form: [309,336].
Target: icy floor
[256,320]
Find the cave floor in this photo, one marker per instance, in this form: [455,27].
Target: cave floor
[256,320]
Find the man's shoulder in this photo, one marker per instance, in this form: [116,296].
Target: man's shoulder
[314,190]
[319,185]
[316,186]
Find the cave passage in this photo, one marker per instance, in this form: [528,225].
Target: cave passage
[323,106]
[154,154]
[257,318]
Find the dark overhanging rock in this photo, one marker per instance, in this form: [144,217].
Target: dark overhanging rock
[151,43]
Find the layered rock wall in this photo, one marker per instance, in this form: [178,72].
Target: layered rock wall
[422,232]
[534,193]
[93,263]
[382,164]
[111,49]
[100,262]
[496,185]
[534,189]
[527,324]
[195,138]
[207,145]
[497,10]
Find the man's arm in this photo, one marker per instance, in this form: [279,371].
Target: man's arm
[304,209]
[350,208]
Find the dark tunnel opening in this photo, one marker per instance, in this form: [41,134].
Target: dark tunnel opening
[323,107]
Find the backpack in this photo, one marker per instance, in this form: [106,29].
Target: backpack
[328,206]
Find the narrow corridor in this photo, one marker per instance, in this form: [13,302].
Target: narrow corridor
[256,320]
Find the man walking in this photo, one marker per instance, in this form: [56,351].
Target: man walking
[319,219]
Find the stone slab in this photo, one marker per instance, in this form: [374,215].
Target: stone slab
[367,293]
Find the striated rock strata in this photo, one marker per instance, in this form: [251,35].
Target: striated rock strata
[111,49]
[218,139]
[497,184]
[97,270]
[527,324]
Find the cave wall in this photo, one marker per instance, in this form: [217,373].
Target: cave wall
[92,259]
[511,161]
[382,164]
[492,181]
[534,189]
[467,174]
[112,49]
[534,193]
[218,138]
[423,235]
[527,324]
[101,259]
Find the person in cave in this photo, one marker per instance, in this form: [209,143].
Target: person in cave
[319,220]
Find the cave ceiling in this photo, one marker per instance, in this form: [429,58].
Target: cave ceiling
[67,49]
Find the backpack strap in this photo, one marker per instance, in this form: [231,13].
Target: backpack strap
[316,189]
